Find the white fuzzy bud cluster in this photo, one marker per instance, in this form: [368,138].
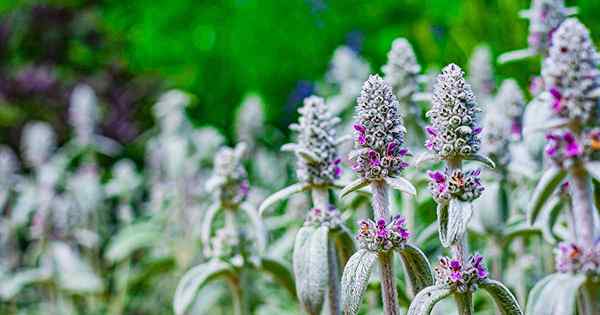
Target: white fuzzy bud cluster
[229,180]
[502,122]
[250,120]
[169,110]
[454,130]
[86,188]
[230,245]
[571,74]
[8,165]
[330,217]
[125,179]
[401,71]
[347,70]
[83,113]
[317,156]
[544,17]
[37,142]
[379,129]
[481,72]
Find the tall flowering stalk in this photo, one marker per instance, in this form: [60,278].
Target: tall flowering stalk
[379,158]
[234,248]
[572,82]
[454,136]
[544,16]
[323,243]
[481,73]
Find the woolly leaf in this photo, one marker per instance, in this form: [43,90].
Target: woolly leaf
[353,186]
[11,285]
[307,155]
[424,302]
[505,301]
[519,228]
[547,221]
[72,272]
[426,157]
[209,217]
[593,168]
[280,196]
[259,228]
[416,269]
[550,180]
[310,267]
[442,219]
[131,239]
[355,280]
[556,295]
[481,159]
[194,280]
[453,220]
[279,272]
[401,184]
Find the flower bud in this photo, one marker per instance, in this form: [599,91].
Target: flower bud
[401,71]
[229,180]
[461,276]
[383,236]
[38,142]
[481,72]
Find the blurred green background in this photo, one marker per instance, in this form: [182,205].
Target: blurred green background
[130,51]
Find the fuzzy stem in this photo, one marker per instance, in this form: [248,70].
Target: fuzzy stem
[583,205]
[320,199]
[459,248]
[240,307]
[333,290]
[464,302]
[388,284]
[386,267]
[590,293]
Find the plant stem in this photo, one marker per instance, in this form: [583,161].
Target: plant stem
[590,293]
[333,290]
[459,248]
[386,267]
[320,199]
[583,205]
[464,302]
[240,306]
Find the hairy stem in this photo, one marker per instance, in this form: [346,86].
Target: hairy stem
[320,199]
[464,302]
[240,307]
[590,293]
[386,267]
[583,205]
[459,248]
[333,290]
[388,284]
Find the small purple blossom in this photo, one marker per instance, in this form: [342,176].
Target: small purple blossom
[461,276]
[574,258]
[330,217]
[465,186]
[382,235]
[563,146]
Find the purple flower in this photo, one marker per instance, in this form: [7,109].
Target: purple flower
[557,100]
[391,148]
[437,176]
[456,276]
[362,140]
[455,264]
[477,130]
[573,149]
[374,158]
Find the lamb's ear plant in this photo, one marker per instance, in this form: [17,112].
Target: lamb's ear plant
[378,159]
[323,244]
[572,80]
[481,74]
[453,138]
[544,16]
[235,248]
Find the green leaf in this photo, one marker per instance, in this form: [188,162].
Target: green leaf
[355,280]
[481,159]
[555,294]
[425,300]
[505,301]
[593,168]
[427,233]
[258,227]
[344,244]
[280,273]
[72,272]
[453,220]
[401,184]
[416,269]
[551,179]
[194,280]
[425,157]
[280,196]
[131,239]
[519,228]
[207,221]
[11,285]
[353,186]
